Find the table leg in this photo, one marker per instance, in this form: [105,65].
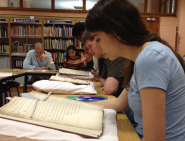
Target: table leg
[25,83]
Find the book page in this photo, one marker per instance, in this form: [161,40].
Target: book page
[60,100]
[68,112]
[64,79]
[18,107]
[73,72]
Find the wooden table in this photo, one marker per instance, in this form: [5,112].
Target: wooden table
[20,73]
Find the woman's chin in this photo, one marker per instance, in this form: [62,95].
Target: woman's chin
[112,58]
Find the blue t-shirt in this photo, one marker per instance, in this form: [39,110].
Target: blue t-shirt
[157,66]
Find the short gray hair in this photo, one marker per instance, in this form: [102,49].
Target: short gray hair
[38,45]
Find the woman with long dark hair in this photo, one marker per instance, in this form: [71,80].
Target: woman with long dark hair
[154,78]
[73,59]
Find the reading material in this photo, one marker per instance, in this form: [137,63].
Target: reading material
[76,81]
[37,70]
[56,112]
[5,74]
[73,72]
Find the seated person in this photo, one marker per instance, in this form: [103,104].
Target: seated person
[87,40]
[98,70]
[38,59]
[88,53]
[78,30]
[111,77]
[88,62]
[73,59]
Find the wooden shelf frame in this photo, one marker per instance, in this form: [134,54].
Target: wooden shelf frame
[53,10]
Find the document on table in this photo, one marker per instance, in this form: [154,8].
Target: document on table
[37,70]
[3,74]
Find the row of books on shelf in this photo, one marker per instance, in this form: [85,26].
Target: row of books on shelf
[22,48]
[27,31]
[18,63]
[57,43]
[4,48]
[58,66]
[58,56]
[5,62]
[53,31]
[79,45]
[3,31]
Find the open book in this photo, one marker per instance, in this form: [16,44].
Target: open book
[73,72]
[56,112]
[64,79]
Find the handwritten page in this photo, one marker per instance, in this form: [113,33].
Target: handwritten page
[76,81]
[61,100]
[67,112]
[19,107]
[73,72]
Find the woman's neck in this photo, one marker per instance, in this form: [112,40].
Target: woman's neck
[132,52]
[73,58]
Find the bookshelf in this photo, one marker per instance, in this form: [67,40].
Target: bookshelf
[4,43]
[24,34]
[18,36]
[57,37]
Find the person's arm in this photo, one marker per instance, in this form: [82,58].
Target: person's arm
[49,59]
[27,62]
[111,86]
[118,104]
[95,73]
[102,81]
[40,68]
[153,114]
[85,62]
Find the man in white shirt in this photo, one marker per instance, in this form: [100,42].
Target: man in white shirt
[38,59]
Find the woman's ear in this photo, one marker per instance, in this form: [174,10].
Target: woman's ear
[117,37]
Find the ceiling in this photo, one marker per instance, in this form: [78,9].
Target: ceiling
[66,4]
